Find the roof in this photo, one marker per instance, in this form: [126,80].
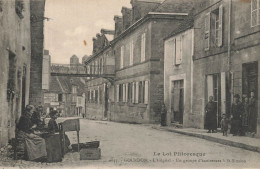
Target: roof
[186,24]
[63,84]
[176,6]
[151,1]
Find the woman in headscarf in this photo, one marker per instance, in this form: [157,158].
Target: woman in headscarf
[35,147]
[53,128]
[163,115]
[211,116]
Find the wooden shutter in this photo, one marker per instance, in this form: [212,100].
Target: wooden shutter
[126,92]
[122,57]
[223,92]
[178,55]
[143,47]
[123,92]
[220,34]
[117,93]
[131,52]
[207,31]
[137,92]
[133,92]
[146,94]
[174,51]
[210,86]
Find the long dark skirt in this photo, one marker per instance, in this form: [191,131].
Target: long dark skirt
[211,122]
[35,146]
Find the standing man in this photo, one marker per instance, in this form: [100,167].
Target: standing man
[236,116]
[211,116]
[252,113]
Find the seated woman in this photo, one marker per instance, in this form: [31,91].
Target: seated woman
[36,118]
[53,127]
[34,145]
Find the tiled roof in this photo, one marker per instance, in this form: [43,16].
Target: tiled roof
[54,85]
[186,24]
[175,6]
[63,84]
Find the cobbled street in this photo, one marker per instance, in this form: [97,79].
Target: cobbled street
[132,145]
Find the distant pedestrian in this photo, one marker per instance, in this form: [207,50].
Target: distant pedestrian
[211,116]
[163,115]
[236,116]
[224,124]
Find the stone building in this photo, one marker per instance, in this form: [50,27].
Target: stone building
[66,92]
[15,65]
[244,52]
[135,92]
[224,59]
[178,77]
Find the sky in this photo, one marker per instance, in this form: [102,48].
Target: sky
[75,21]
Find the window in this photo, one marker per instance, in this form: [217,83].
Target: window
[214,28]
[74,89]
[143,48]
[79,100]
[136,92]
[96,96]
[122,57]
[255,12]
[60,97]
[129,92]
[131,52]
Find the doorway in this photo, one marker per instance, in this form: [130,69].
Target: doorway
[23,87]
[177,101]
[250,84]
[214,89]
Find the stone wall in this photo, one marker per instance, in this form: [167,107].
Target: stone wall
[15,51]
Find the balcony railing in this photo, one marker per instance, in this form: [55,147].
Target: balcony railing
[80,70]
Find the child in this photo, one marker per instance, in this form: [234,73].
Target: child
[224,124]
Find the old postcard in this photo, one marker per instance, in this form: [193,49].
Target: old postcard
[129,84]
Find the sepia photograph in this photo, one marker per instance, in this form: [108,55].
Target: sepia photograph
[129,84]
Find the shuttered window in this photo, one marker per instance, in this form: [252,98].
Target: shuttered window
[255,12]
[207,31]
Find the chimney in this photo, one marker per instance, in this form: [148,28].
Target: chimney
[127,17]
[118,25]
[106,31]
[94,45]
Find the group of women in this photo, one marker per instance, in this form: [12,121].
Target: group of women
[30,129]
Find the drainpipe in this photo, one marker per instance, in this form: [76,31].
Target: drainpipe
[229,51]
